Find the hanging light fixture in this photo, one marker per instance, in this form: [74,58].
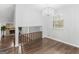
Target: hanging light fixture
[48,11]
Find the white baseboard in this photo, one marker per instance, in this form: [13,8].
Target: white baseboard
[53,38]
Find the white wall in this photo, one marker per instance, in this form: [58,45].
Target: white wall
[24,30]
[27,15]
[6,13]
[35,29]
[31,29]
[70,33]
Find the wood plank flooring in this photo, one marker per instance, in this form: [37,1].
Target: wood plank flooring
[46,46]
[7,45]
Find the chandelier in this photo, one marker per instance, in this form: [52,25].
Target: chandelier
[49,11]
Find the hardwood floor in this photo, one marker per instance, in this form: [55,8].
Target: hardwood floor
[7,45]
[44,46]
[48,46]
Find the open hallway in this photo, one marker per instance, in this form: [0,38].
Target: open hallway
[27,28]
